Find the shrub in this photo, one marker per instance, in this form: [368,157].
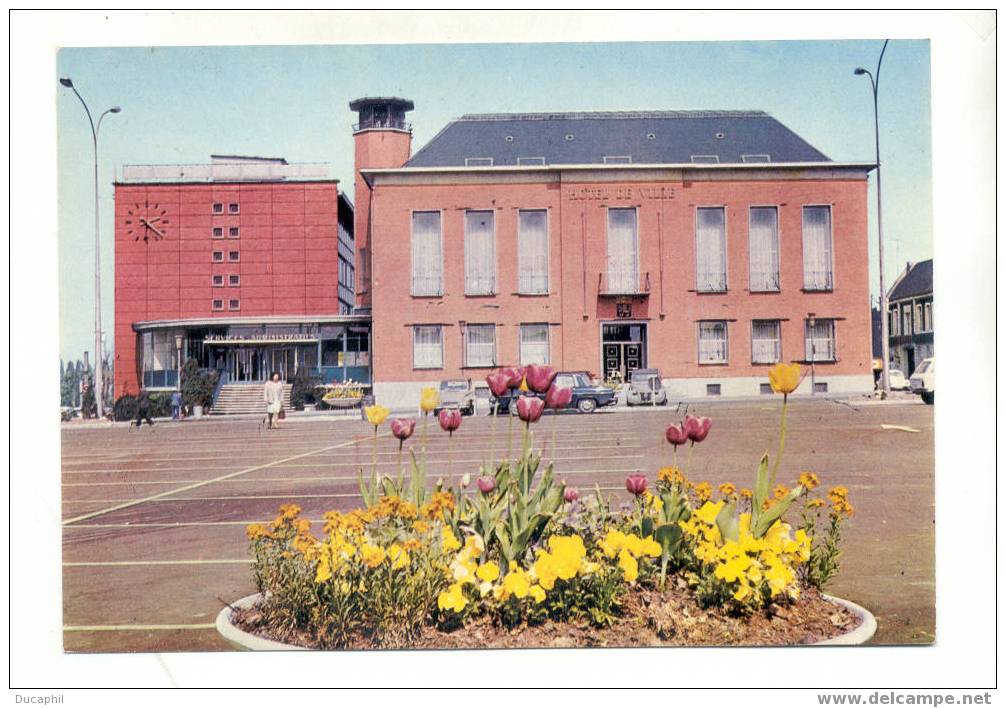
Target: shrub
[197,385]
[124,408]
[303,391]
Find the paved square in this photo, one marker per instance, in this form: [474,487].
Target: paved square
[154,519]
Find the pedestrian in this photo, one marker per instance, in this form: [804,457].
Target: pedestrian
[273,394]
[143,409]
[176,405]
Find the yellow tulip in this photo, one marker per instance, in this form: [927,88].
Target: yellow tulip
[429,399]
[376,414]
[784,377]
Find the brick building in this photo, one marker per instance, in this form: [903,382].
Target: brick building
[245,264]
[910,309]
[707,244]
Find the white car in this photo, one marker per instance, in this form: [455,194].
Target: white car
[923,380]
[897,380]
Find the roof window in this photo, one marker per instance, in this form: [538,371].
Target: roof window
[478,162]
[755,158]
[705,159]
[617,159]
[530,160]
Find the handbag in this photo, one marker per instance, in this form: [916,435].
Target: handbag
[282,414]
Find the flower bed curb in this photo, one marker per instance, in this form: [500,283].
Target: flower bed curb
[244,640]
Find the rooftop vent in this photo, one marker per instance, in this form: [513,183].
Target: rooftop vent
[569,136]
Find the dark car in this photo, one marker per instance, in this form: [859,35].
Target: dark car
[587,396]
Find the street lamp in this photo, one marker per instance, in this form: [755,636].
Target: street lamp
[99,388]
[179,341]
[811,324]
[885,381]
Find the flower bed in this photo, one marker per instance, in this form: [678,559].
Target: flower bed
[520,559]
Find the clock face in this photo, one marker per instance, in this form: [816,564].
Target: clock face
[147,222]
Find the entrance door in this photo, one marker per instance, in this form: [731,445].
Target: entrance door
[623,349]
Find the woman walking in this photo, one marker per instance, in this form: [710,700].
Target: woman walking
[273,394]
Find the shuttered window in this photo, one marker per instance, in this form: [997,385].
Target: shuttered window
[766,347]
[713,342]
[480,253]
[820,340]
[711,249]
[817,250]
[534,344]
[427,254]
[480,345]
[427,347]
[623,251]
[532,249]
[763,237]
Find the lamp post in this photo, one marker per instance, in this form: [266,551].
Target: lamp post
[99,388]
[885,381]
[179,340]
[811,324]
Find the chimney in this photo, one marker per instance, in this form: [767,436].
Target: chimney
[382,139]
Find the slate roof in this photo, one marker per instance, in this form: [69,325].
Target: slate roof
[647,137]
[917,281]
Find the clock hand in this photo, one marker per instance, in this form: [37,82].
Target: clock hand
[155,229]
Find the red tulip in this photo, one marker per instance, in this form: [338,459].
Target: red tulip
[450,419]
[539,378]
[636,483]
[697,428]
[557,398]
[499,382]
[570,495]
[515,376]
[530,408]
[676,434]
[403,428]
[486,484]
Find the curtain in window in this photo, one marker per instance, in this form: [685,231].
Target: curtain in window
[480,253]
[820,341]
[480,349]
[623,255]
[765,345]
[427,347]
[711,249]
[533,344]
[764,247]
[817,274]
[532,252]
[712,342]
[427,256]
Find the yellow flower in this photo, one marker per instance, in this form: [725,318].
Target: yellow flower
[746,493]
[742,592]
[463,571]
[488,572]
[728,489]
[650,547]
[420,526]
[838,494]
[449,540]
[784,377]
[629,566]
[412,544]
[733,569]
[376,414]
[703,491]
[537,593]
[652,500]
[523,385]
[612,542]
[707,512]
[399,556]
[545,570]
[671,475]
[324,569]
[256,531]
[372,556]
[516,582]
[428,399]
[568,553]
[780,491]
[808,480]
[815,503]
[453,599]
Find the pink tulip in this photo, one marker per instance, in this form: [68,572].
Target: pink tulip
[486,484]
[557,398]
[499,383]
[570,495]
[539,378]
[515,376]
[697,428]
[676,434]
[403,428]
[636,484]
[530,408]
[450,419]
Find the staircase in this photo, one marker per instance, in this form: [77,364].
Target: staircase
[235,398]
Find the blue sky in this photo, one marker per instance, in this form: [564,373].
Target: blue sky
[182,104]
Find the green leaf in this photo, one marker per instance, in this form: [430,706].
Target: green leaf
[760,490]
[646,526]
[668,536]
[726,521]
[769,517]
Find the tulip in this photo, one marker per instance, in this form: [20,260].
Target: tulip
[450,420]
[785,378]
[376,414]
[515,376]
[499,383]
[539,378]
[697,428]
[570,495]
[486,484]
[557,397]
[403,428]
[429,399]
[676,435]
[466,479]
[530,408]
[636,484]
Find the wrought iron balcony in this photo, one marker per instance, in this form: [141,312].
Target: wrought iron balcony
[615,283]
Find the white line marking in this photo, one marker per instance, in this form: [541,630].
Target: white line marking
[98,564]
[133,627]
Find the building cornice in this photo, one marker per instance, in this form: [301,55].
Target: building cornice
[265,320]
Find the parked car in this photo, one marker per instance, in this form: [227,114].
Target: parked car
[457,393]
[645,388]
[897,380]
[923,380]
[587,395]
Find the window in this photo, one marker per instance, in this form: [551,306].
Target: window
[218,281]
[218,256]
[478,162]
[218,304]
[218,208]
[755,158]
[532,249]
[713,342]
[711,250]
[234,305]
[893,324]
[427,347]
[480,345]
[906,320]
[530,160]
[705,159]
[160,359]
[820,387]
[617,159]
[920,325]
[713,389]
[766,389]
[817,272]
[534,344]
[234,280]
[480,253]
[928,313]
[233,208]
[820,340]
[766,345]
[623,251]
[235,232]
[234,256]
[427,254]
[218,232]
[763,242]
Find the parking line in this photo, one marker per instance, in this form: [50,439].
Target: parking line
[134,627]
[100,564]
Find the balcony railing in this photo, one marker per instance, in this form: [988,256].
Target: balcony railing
[385,124]
[612,283]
